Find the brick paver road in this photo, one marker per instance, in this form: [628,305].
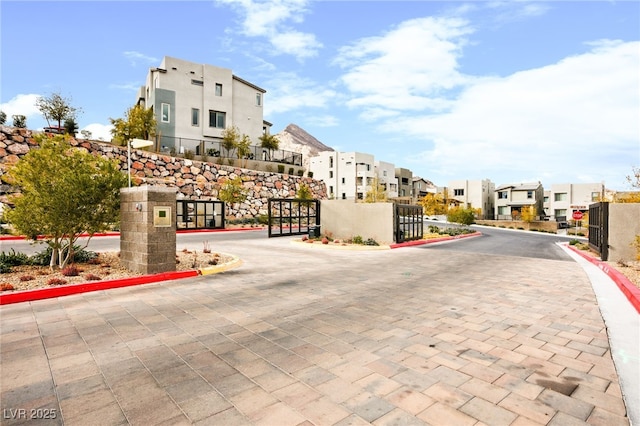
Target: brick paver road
[302,335]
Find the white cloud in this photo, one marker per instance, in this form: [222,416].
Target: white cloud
[416,62]
[292,92]
[578,116]
[99,131]
[323,120]
[271,19]
[21,105]
[136,57]
[132,87]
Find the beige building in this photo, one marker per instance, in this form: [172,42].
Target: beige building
[477,194]
[194,102]
[565,198]
[511,198]
[387,177]
[347,175]
[420,187]
[405,183]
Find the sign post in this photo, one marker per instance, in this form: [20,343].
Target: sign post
[577,215]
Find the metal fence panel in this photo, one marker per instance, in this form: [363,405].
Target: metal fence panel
[409,223]
[200,214]
[599,229]
[292,216]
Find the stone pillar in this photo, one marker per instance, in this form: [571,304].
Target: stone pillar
[148,229]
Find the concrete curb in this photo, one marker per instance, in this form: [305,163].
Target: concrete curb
[7,298]
[386,247]
[434,240]
[631,292]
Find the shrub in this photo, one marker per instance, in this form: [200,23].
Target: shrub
[4,268]
[357,240]
[14,258]
[6,287]
[310,174]
[263,219]
[56,281]
[92,277]
[300,173]
[290,170]
[188,154]
[461,215]
[80,255]
[24,278]
[573,242]
[371,242]
[433,229]
[280,168]
[70,271]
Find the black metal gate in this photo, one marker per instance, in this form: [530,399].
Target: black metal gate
[599,229]
[293,216]
[197,214]
[408,223]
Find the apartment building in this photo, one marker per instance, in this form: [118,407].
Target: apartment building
[511,198]
[565,198]
[477,194]
[420,187]
[405,183]
[347,175]
[385,172]
[194,102]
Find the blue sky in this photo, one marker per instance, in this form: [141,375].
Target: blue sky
[513,91]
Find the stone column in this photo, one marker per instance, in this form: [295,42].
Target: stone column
[148,229]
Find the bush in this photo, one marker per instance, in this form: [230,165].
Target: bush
[92,277]
[357,240]
[80,255]
[371,242]
[433,229]
[280,168]
[4,268]
[70,271]
[24,278]
[263,219]
[300,173]
[14,258]
[310,174]
[56,281]
[573,242]
[460,215]
[290,170]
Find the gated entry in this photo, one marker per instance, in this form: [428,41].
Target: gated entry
[599,229]
[408,223]
[197,214]
[293,216]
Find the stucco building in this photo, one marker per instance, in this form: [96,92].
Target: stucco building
[477,194]
[511,198]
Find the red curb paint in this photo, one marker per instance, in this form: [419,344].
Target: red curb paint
[631,292]
[115,234]
[66,290]
[434,240]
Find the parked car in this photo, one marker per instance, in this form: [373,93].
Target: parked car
[55,130]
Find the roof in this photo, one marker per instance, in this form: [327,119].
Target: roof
[521,186]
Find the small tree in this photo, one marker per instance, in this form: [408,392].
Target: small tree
[56,108]
[528,214]
[230,139]
[20,121]
[86,134]
[66,192]
[232,192]
[377,193]
[461,215]
[270,142]
[3,117]
[71,127]
[138,122]
[243,146]
[433,204]
[304,192]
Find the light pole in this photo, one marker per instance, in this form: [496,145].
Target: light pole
[135,143]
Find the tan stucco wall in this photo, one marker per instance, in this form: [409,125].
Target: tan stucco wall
[345,219]
[624,225]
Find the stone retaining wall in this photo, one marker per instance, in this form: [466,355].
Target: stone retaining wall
[193,179]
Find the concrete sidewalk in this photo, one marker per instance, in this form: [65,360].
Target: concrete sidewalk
[321,337]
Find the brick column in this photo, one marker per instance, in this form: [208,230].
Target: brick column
[148,229]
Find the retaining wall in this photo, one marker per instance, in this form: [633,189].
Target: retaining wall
[198,180]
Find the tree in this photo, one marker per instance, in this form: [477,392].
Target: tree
[19,121]
[232,191]
[230,139]
[304,192]
[243,146]
[270,142]
[138,122]
[3,117]
[56,108]
[433,204]
[377,193]
[70,127]
[528,214]
[461,215]
[65,192]
[86,134]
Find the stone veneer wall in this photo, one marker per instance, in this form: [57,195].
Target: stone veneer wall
[193,179]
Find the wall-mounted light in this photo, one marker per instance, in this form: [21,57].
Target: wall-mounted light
[139,207]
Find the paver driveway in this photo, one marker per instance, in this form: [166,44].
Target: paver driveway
[303,335]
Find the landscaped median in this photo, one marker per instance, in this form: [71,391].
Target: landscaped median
[9,297]
[631,292]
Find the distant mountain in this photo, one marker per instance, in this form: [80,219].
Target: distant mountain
[294,138]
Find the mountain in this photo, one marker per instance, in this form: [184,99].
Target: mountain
[294,138]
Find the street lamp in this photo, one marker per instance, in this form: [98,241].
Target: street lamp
[135,143]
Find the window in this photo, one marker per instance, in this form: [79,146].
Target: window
[343,181]
[258,99]
[384,173]
[218,89]
[562,213]
[331,162]
[560,196]
[529,194]
[166,111]
[502,195]
[331,190]
[344,196]
[217,119]
[330,174]
[502,210]
[595,196]
[195,117]
[546,200]
[197,82]
[458,192]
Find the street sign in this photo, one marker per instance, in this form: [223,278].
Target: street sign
[577,215]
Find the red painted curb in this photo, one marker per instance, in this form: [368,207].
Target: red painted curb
[434,240]
[66,290]
[631,292]
[115,234]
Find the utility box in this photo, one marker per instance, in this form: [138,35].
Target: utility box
[148,229]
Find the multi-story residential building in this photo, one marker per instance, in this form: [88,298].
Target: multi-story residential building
[477,194]
[420,187]
[386,176]
[511,198]
[196,102]
[405,183]
[347,175]
[565,198]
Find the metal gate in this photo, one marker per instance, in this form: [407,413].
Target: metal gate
[293,216]
[599,229]
[196,214]
[409,223]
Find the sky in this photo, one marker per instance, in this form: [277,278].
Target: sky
[511,91]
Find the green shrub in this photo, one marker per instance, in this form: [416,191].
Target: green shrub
[462,216]
[290,170]
[433,229]
[280,168]
[357,240]
[263,219]
[80,255]
[4,268]
[188,154]
[371,242]
[14,258]
[573,242]
[300,173]
[310,174]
